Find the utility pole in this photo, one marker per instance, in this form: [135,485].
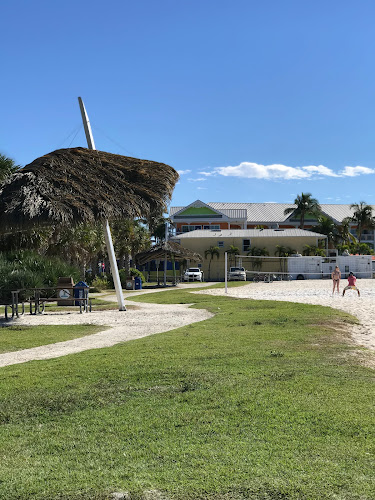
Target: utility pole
[107,231]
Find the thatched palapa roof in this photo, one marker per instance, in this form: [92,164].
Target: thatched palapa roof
[78,184]
[171,249]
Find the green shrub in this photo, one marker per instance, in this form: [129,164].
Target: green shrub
[100,283]
[124,275]
[26,269]
[136,274]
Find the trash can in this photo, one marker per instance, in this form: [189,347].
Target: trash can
[129,284]
[138,283]
[80,292]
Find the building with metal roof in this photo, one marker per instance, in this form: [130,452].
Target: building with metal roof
[200,240]
[224,216]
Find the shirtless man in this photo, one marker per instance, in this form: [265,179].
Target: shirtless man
[336,276]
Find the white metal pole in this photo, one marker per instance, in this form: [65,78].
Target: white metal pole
[107,231]
[226,272]
[86,125]
[114,268]
[165,256]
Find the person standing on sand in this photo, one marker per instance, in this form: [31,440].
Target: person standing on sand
[336,276]
[351,284]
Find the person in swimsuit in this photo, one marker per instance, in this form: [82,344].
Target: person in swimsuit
[336,276]
[351,284]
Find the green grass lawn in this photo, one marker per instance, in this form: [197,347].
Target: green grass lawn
[263,401]
[16,337]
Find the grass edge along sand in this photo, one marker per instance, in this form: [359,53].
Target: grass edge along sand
[262,401]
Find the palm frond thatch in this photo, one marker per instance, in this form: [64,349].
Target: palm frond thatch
[171,249]
[78,184]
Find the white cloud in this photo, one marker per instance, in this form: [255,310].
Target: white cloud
[207,174]
[199,187]
[256,171]
[198,179]
[284,172]
[320,169]
[354,171]
[182,172]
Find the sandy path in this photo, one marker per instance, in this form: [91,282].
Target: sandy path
[318,292]
[144,320]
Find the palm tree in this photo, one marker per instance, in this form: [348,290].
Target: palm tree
[313,250]
[232,252]
[281,252]
[305,204]
[130,237]
[211,252]
[81,244]
[157,227]
[7,167]
[38,239]
[362,217]
[257,252]
[327,226]
[344,234]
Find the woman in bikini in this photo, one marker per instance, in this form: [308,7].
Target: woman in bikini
[336,276]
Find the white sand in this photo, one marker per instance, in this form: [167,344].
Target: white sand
[137,322]
[319,292]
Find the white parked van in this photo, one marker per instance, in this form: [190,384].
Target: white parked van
[301,268]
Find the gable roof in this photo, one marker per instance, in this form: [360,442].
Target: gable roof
[248,233]
[269,212]
[207,211]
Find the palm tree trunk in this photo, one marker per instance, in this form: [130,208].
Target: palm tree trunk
[121,261]
[127,264]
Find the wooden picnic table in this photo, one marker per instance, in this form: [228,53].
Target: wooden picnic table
[38,297]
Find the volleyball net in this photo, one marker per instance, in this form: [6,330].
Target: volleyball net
[278,268]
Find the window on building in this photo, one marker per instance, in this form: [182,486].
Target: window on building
[220,244]
[206,227]
[246,245]
[215,227]
[186,229]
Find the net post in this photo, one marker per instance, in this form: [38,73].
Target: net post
[226,272]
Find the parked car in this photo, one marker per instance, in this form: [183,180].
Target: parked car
[193,274]
[237,274]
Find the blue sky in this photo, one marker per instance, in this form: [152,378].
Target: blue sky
[251,101]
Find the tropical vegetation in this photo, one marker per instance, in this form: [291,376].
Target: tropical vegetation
[282,252]
[26,269]
[327,226]
[257,252]
[362,217]
[210,253]
[305,204]
[232,252]
[312,250]
[7,167]
[338,235]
